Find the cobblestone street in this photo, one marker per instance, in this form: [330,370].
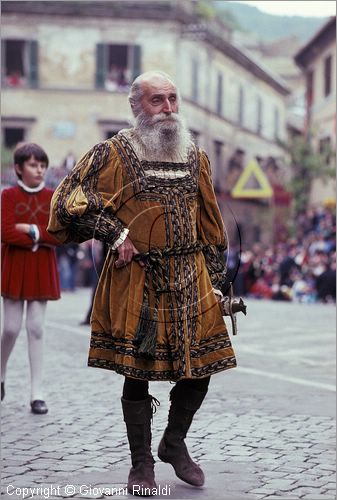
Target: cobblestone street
[265,431]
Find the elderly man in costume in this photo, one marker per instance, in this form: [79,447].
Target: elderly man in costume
[148,194]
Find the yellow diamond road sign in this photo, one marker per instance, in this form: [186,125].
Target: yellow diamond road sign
[252,172]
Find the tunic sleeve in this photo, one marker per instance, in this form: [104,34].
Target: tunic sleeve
[210,228]
[85,203]
[45,238]
[9,234]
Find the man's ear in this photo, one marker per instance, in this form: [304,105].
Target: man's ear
[133,107]
[132,104]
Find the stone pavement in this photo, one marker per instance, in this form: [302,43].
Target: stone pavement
[265,431]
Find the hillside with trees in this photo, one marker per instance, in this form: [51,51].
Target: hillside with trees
[266,26]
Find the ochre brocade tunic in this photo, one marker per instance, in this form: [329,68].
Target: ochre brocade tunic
[164,205]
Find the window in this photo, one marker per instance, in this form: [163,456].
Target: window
[325,148]
[310,88]
[117,66]
[219,94]
[241,106]
[15,130]
[276,124]
[110,133]
[19,63]
[218,164]
[236,161]
[195,80]
[195,136]
[109,128]
[12,136]
[327,76]
[259,115]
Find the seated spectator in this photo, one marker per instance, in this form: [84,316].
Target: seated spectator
[15,79]
[301,269]
[326,284]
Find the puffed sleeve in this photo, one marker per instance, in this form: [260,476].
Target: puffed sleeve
[210,226]
[84,205]
[9,234]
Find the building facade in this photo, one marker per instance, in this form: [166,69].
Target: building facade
[67,67]
[317,59]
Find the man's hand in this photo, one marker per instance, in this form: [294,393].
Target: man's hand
[218,295]
[126,252]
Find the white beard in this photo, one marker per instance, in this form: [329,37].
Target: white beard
[161,137]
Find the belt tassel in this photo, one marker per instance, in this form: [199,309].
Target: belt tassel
[147,329]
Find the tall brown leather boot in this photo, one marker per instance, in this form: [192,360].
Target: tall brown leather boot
[172,448]
[137,416]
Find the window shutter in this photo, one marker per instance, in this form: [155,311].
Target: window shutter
[101,66]
[136,60]
[33,63]
[259,115]
[241,106]
[276,123]
[327,76]
[3,61]
[195,80]
[219,93]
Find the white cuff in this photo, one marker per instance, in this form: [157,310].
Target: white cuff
[34,232]
[218,292]
[35,237]
[121,239]
[37,232]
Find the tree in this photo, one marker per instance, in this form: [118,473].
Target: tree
[307,165]
[205,10]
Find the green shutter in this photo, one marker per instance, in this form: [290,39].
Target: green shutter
[136,69]
[101,64]
[33,75]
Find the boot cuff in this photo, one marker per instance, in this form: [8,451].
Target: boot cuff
[189,400]
[136,412]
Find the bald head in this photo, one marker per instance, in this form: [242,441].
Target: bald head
[160,129]
[152,76]
[151,84]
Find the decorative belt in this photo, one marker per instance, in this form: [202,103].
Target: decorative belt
[147,329]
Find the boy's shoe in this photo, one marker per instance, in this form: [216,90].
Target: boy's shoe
[39,407]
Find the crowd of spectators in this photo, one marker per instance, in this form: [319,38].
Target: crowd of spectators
[302,269]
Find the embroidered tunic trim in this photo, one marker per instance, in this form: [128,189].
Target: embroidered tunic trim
[111,189]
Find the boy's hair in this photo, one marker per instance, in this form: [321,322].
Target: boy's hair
[25,151]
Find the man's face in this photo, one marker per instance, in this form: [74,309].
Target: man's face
[159,96]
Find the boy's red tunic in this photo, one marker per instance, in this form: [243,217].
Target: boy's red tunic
[27,275]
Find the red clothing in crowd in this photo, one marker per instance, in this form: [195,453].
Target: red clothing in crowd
[27,274]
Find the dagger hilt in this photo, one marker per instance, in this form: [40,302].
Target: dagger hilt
[231,306]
